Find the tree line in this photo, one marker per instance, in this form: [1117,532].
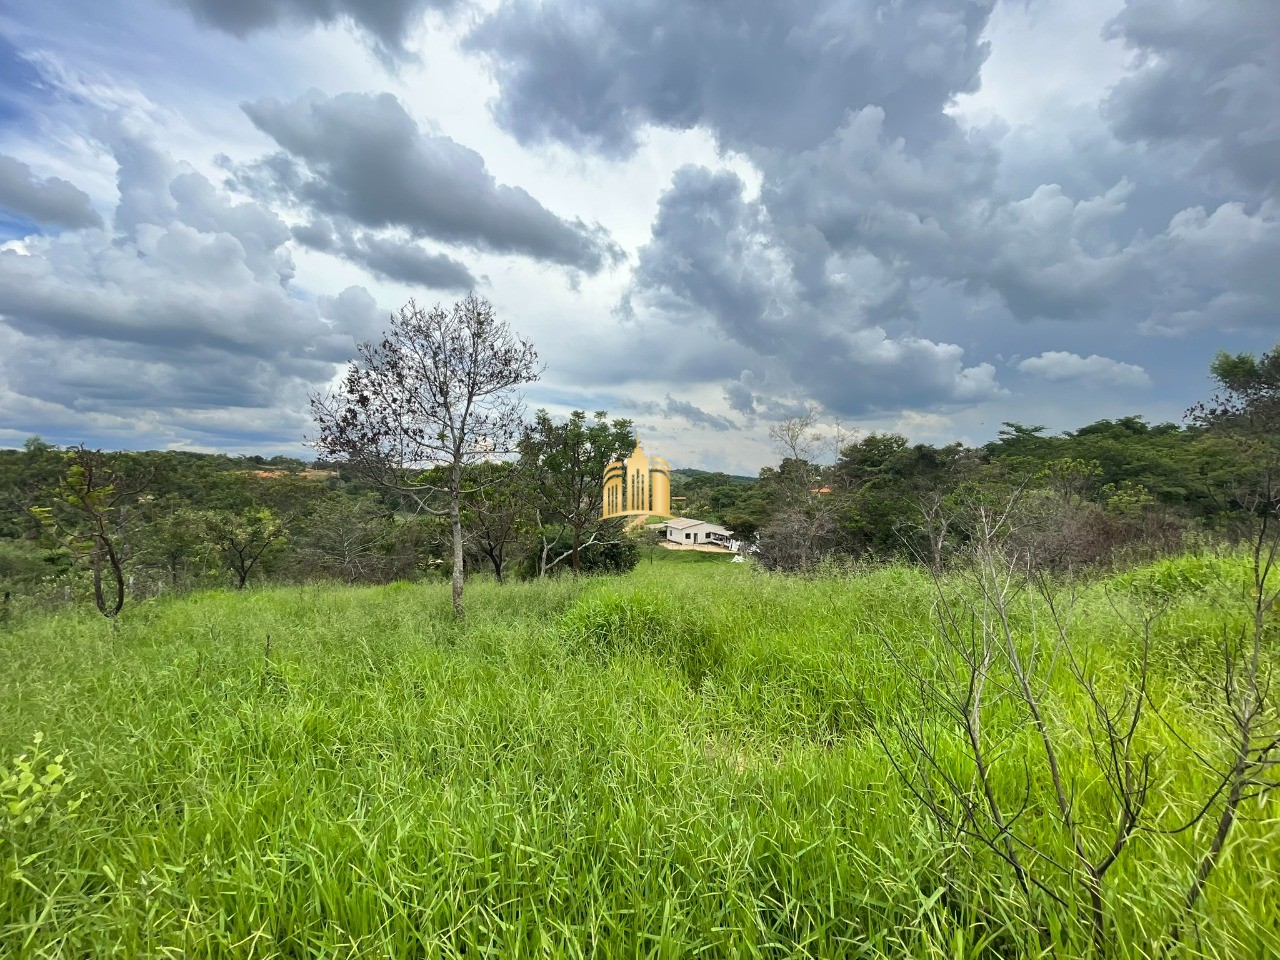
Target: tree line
[1107,490]
[80,523]
[427,465]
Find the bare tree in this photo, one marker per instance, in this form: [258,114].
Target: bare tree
[243,538]
[1006,658]
[986,666]
[799,536]
[347,537]
[439,389]
[1245,412]
[796,438]
[1246,763]
[935,525]
[802,528]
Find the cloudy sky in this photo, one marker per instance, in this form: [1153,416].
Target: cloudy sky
[929,216]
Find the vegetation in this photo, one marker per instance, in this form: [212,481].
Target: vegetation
[683,760]
[86,518]
[1105,492]
[564,464]
[437,390]
[1019,705]
[1142,482]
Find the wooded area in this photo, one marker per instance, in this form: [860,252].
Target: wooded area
[170,520]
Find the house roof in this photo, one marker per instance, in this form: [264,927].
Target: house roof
[680,523]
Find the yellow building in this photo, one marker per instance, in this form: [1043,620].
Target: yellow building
[637,486]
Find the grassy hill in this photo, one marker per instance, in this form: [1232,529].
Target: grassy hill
[673,764]
[693,473]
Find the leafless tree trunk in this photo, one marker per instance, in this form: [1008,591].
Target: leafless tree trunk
[455,524]
[547,561]
[1248,706]
[982,666]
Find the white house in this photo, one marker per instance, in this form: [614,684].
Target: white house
[692,533]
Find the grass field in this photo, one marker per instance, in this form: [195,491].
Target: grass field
[677,763]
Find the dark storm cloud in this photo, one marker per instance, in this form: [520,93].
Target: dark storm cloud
[803,90]
[387,257]
[1208,83]
[757,72]
[740,398]
[709,251]
[713,252]
[50,201]
[689,412]
[871,191]
[940,212]
[386,22]
[363,158]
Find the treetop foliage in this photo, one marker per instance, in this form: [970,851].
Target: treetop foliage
[1124,478]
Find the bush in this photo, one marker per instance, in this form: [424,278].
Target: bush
[643,625]
[614,556]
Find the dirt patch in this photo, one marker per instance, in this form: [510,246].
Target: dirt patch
[702,547]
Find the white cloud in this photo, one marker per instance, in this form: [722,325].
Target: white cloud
[1060,366]
[853,241]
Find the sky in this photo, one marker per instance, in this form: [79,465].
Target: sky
[925,216]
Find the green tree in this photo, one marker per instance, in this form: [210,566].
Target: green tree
[26,477]
[171,539]
[243,538]
[498,514]
[894,496]
[565,462]
[87,517]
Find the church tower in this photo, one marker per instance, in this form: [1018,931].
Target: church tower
[637,486]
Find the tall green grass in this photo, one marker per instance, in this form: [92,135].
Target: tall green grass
[672,764]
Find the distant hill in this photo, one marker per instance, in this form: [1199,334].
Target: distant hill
[692,474]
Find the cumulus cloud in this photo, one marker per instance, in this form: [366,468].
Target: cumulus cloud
[363,158]
[386,22]
[1208,83]
[886,257]
[187,305]
[713,254]
[871,191]
[757,72]
[936,213]
[388,257]
[48,201]
[1059,366]
[1215,271]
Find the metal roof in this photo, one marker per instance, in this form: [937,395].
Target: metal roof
[681,522]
